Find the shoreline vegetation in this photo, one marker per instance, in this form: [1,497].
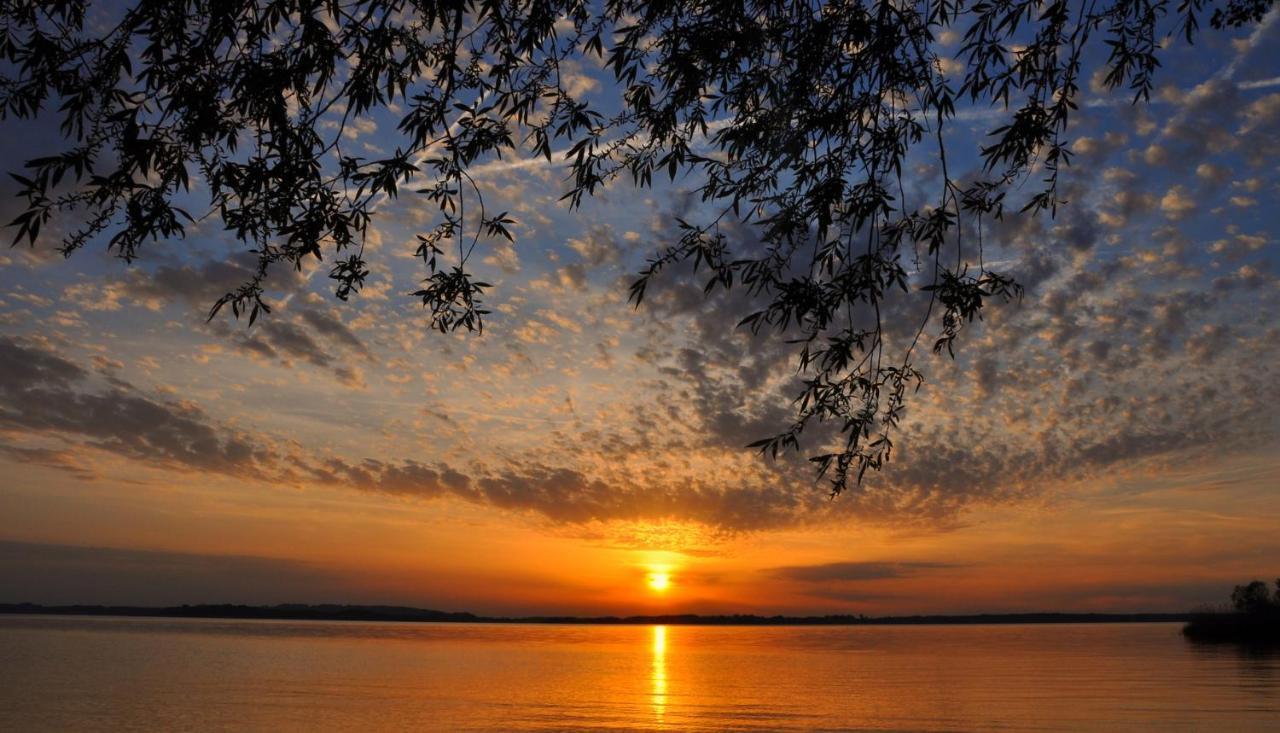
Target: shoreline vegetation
[1253,618]
[337,612]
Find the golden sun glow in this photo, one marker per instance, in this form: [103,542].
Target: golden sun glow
[659,581]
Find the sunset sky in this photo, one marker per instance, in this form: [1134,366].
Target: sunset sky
[1109,444]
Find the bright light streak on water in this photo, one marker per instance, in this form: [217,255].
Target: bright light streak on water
[659,673]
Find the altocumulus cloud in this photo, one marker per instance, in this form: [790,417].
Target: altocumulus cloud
[1094,371]
[1090,374]
[46,396]
[1141,341]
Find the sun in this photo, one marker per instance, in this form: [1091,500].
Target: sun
[659,581]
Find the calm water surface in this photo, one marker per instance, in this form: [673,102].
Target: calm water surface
[78,674]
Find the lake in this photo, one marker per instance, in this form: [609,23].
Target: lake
[80,673]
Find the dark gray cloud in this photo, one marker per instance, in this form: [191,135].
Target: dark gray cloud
[330,326]
[23,367]
[293,342]
[40,393]
[200,284]
[312,337]
[855,571]
[69,574]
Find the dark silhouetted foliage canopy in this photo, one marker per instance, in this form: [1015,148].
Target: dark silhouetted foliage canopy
[1255,597]
[796,120]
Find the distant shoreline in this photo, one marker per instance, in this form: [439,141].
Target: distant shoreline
[329,612]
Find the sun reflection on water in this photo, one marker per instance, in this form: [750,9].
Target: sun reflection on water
[658,674]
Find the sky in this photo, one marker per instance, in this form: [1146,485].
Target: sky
[1110,443]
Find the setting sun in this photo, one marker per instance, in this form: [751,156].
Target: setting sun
[659,581]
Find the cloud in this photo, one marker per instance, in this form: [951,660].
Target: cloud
[855,571]
[311,336]
[200,284]
[25,367]
[597,247]
[328,325]
[71,462]
[569,496]
[40,394]
[294,342]
[1177,203]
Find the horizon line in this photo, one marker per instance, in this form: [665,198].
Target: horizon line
[409,614]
